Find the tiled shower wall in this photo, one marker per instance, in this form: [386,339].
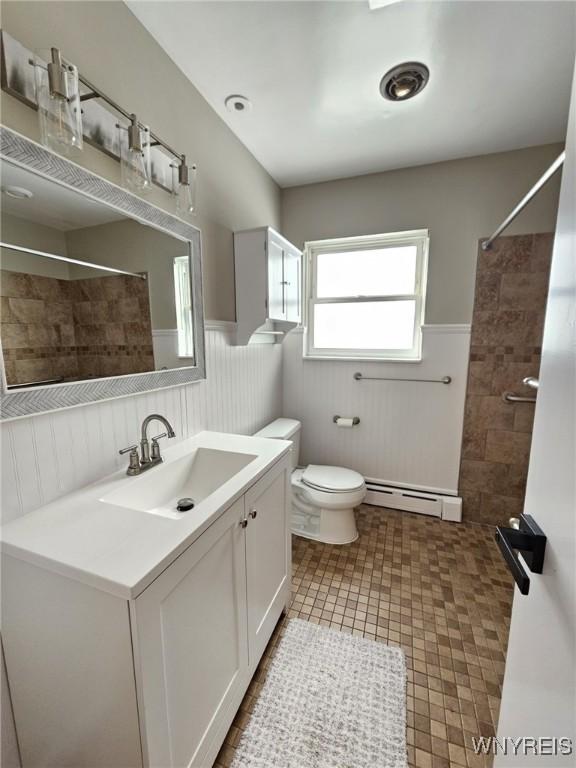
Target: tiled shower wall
[44,457]
[507,327]
[98,326]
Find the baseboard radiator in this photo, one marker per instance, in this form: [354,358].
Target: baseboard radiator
[410,500]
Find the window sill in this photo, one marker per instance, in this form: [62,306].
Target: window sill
[333,358]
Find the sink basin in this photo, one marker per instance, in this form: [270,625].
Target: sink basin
[195,476]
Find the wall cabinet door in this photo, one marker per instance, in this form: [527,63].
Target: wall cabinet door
[268,560]
[292,284]
[191,647]
[276,287]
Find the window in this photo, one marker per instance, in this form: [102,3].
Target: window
[183,293]
[366,296]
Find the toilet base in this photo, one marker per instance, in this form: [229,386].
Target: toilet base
[312,537]
[330,526]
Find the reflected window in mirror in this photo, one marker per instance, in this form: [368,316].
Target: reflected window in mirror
[183,296]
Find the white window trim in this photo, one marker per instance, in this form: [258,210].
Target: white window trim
[417,237]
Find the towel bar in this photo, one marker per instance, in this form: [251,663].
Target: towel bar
[360,377]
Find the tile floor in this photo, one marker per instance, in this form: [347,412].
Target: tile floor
[440,591]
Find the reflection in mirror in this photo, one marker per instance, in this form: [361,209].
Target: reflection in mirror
[87,292]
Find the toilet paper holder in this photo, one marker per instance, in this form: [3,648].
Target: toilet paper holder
[355,420]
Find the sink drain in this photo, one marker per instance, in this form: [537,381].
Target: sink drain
[185,504]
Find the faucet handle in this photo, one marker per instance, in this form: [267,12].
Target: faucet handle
[128,450]
[134,465]
[156,447]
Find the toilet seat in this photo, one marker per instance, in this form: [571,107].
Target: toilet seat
[325,498]
[332,479]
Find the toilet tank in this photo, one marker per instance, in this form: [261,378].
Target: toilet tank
[284,429]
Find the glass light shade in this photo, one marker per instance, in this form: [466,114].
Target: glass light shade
[186,192]
[58,99]
[134,145]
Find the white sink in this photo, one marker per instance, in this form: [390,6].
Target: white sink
[195,475]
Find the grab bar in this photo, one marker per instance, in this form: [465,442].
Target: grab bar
[444,380]
[511,397]
[531,381]
[35,383]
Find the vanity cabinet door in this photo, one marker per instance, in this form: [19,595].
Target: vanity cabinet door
[191,647]
[268,559]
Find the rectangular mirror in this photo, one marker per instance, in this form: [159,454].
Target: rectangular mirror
[96,286]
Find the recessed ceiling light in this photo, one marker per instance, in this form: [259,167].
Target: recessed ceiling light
[20,193]
[404,81]
[237,103]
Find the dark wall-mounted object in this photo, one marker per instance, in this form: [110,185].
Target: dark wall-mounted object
[529,539]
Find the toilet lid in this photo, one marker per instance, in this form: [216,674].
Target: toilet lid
[334,479]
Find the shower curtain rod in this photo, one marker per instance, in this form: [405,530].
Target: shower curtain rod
[57,257]
[487,244]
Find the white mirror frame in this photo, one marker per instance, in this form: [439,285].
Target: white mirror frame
[18,150]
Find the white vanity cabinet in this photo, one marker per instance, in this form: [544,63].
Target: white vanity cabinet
[268,271]
[156,680]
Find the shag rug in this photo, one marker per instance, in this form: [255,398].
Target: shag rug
[330,700]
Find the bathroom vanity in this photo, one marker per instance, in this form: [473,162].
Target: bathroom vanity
[132,631]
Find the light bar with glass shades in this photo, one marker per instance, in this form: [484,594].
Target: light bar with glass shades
[59,99]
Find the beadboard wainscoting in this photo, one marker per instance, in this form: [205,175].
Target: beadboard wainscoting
[47,456]
[409,435]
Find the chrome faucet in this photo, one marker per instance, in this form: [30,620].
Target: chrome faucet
[147,459]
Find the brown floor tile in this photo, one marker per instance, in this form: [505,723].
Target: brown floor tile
[441,592]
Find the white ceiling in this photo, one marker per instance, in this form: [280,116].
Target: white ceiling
[500,77]
[52,204]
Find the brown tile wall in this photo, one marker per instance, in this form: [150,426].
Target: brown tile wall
[507,327]
[54,328]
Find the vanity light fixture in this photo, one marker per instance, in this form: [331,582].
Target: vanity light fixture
[134,143]
[60,91]
[58,98]
[404,81]
[184,187]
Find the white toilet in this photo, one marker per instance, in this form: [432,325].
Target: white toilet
[323,498]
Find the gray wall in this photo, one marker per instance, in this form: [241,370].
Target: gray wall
[39,236]
[459,201]
[112,48]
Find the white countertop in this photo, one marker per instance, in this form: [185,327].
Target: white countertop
[120,550]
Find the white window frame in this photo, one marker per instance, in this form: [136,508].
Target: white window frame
[419,238]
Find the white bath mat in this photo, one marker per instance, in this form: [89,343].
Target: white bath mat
[330,700]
